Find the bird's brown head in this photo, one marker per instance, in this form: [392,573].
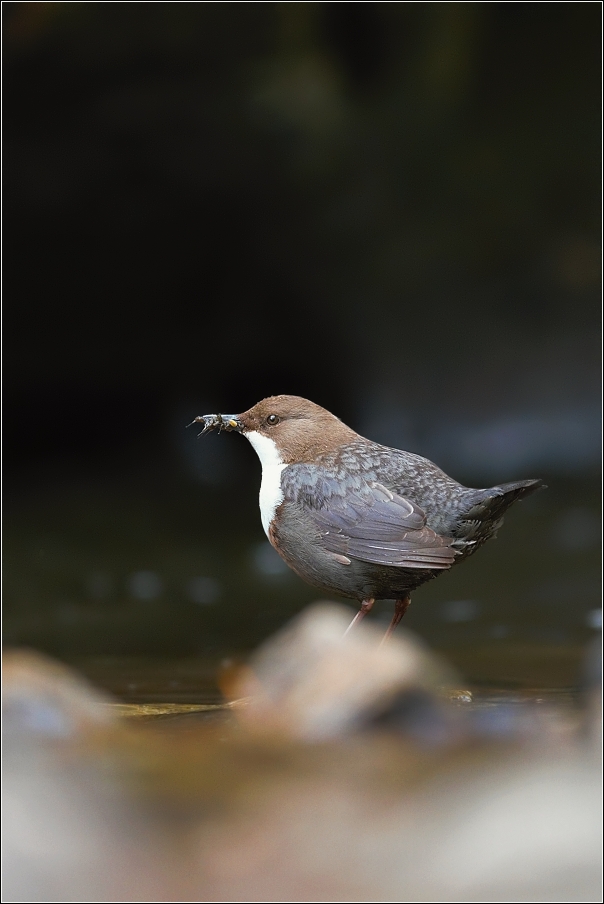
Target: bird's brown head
[299,429]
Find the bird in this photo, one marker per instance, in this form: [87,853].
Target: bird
[357,518]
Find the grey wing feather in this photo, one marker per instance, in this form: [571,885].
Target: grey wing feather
[378,526]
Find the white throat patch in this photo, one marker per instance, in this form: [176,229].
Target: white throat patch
[271,495]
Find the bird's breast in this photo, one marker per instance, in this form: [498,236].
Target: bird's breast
[271,494]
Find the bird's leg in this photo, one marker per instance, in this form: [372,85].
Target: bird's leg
[400,607]
[365,608]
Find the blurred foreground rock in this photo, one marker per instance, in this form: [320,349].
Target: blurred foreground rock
[70,832]
[314,683]
[346,774]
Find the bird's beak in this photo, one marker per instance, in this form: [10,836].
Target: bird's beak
[218,422]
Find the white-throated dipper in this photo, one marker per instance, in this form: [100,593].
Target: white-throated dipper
[356,518]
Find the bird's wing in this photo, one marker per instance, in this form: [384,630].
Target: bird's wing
[373,524]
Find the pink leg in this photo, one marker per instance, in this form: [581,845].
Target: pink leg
[400,607]
[365,608]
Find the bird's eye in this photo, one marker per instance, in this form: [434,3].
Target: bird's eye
[272,419]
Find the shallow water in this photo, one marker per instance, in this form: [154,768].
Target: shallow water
[153,586]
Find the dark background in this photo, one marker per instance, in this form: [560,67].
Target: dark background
[392,209]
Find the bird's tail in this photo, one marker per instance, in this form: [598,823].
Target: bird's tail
[492,503]
[518,489]
[485,512]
